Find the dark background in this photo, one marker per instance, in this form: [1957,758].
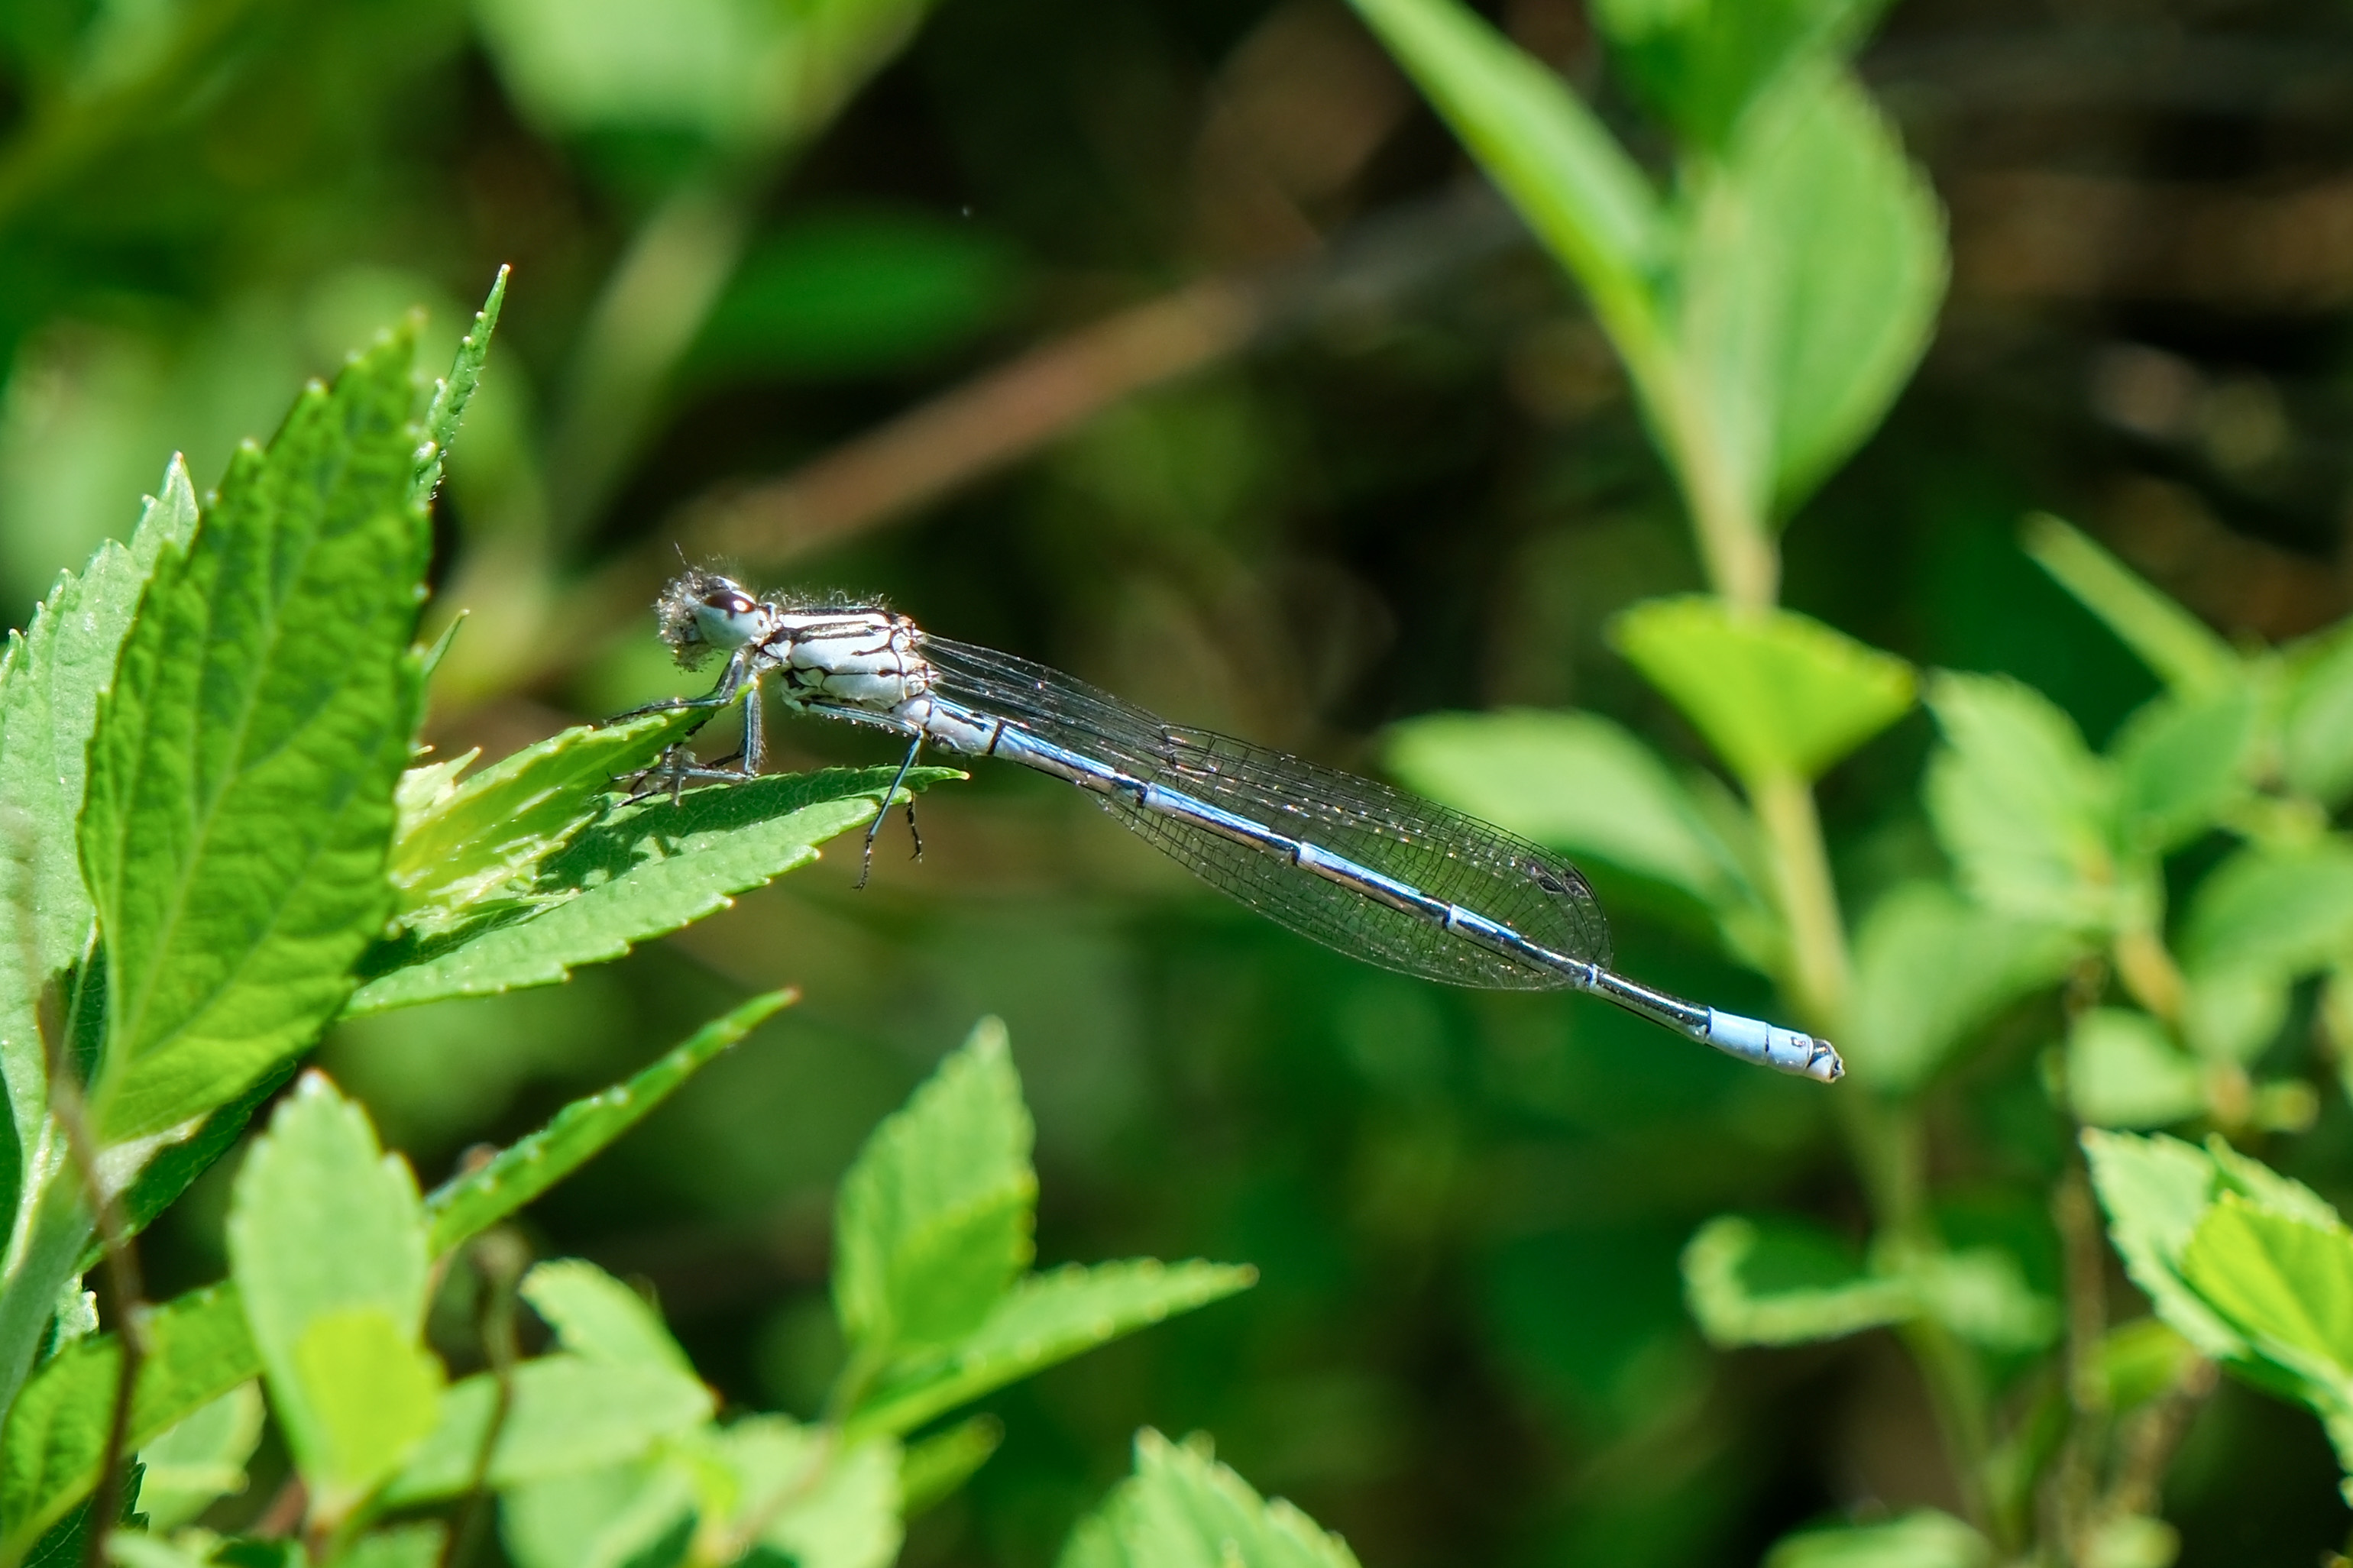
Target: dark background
[1411,480]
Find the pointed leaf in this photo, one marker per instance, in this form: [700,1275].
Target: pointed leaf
[1777,694]
[2286,910]
[600,1318]
[243,768]
[1183,1510]
[934,1469]
[463,843]
[1701,64]
[627,1516]
[1789,1284]
[810,1495]
[933,1222]
[2155,1191]
[370,1392]
[2183,760]
[470,1204]
[456,390]
[325,1228]
[2280,1281]
[1588,203]
[2317,728]
[644,871]
[1930,969]
[2181,648]
[1812,276]
[1046,1318]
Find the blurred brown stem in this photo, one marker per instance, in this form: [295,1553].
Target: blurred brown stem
[2076,1480]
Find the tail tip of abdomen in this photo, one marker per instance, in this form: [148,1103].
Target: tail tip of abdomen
[1768,1045]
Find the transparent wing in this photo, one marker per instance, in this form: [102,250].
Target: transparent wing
[1442,853]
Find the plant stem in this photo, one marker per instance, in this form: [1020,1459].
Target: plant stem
[1818,960]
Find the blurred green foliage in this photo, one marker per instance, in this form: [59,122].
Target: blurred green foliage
[1650,565]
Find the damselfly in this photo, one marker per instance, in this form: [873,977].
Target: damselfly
[1372,871]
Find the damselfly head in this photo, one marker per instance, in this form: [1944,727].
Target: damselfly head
[702,613]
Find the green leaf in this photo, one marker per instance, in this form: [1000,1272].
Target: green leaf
[402,1546]
[324,1228]
[2124,1070]
[2284,1283]
[1776,693]
[2143,1359]
[630,1515]
[461,843]
[456,390]
[1701,62]
[2183,760]
[2024,809]
[2280,911]
[200,1459]
[933,1222]
[198,1349]
[370,1394]
[175,1166]
[600,1318]
[1930,969]
[565,1415]
[2317,721]
[1789,1284]
[1577,190]
[2181,648]
[1811,278]
[1921,1539]
[242,770]
[2155,1191]
[1045,1318]
[644,871]
[807,1493]
[1581,783]
[933,1470]
[1181,1508]
[1981,1294]
[471,1203]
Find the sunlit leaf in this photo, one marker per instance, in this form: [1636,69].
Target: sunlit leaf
[369,1394]
[447,409]
[1777,694]
[1930,969]
[1045,1318]
[2156,1190]
[422,1545]
[933,1222]
[2280,1281]
[1183,1510]
[647,869]
[2288,911]
[805,1493]
[473,1201]
[2180,647]
[243,766]
[2316,729]
[2124,1071]
[626,1516]
[1790,1283]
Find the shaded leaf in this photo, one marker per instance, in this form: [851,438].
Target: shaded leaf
[242,769]
[470,1204]
[933,1222]
[323,1229]
[1045,1318]
[200,1459]
[2181,649]
[2124,1070]
[565,1415]
[1181,1508]
[1557,165]
[1981,1294]
[1930,969]
[1700,65]
[2316,723]
[645,870]
[2024,808]
[2182,761]
[402,1546]
[934,1469]
[1790,1283]
[1777,694]
[600,1318]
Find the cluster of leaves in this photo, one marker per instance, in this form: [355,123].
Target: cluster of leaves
[1766,313]
[248,855]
